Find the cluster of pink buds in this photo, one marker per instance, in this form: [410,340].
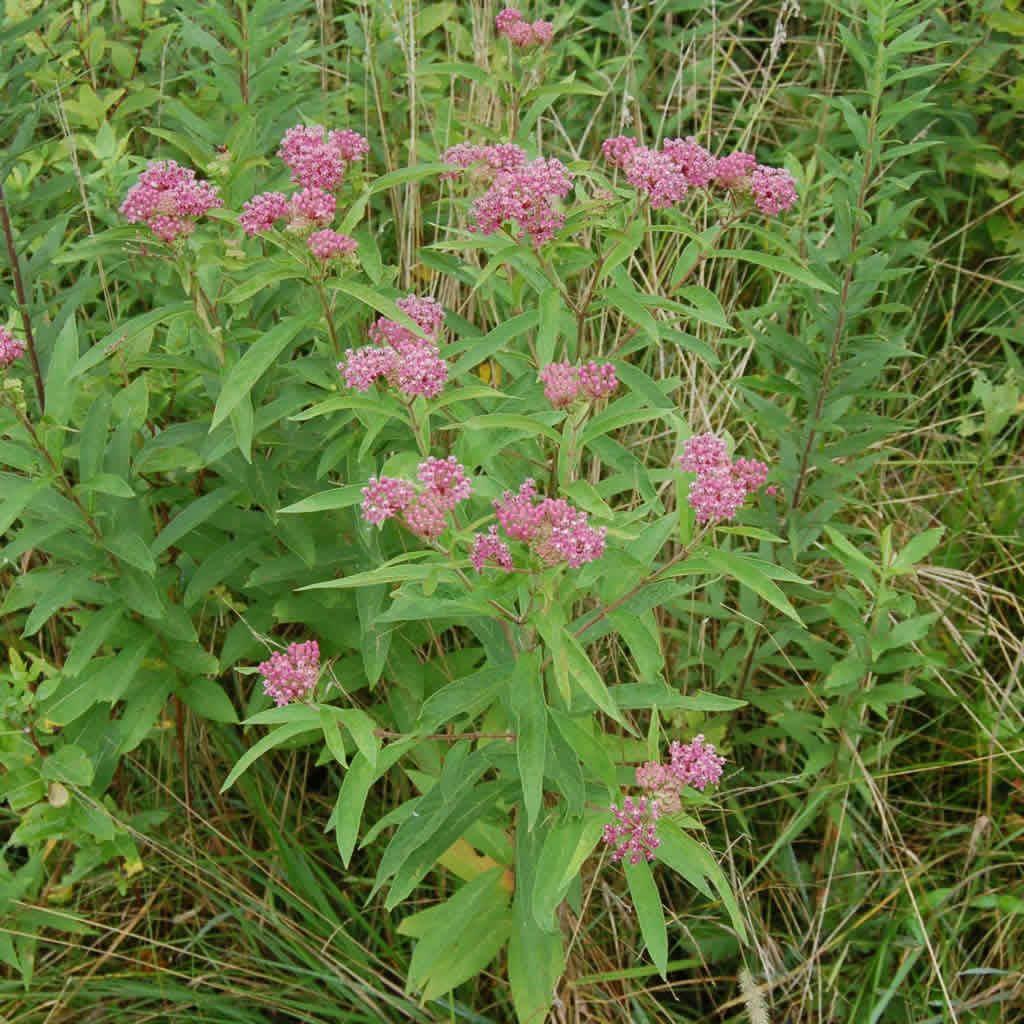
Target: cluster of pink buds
[518,32]
[11,348]
[168,199]
[405,360]
[555,531]
[318,165]
[722,485]
[293,674]
[632,832]
[666,175]
[443,484]
[565,383]
[520,191]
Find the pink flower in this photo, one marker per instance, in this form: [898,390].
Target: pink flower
[488,547]
[426,517]
[598,380]
[505,156]
[632,834]
[445,480]
[696,763]
[11,348]
[561,384]
[327,244]
[385,498]
[169,199]
[363,366]
[773,189]
[426,312]
[419,370]
[260,213]
[734,170]
[555,530]
[619,151]
[721,487]
[509,23]
[319,163]
[658,175]
[693,161]
[292,675]
[310,208]
[543,32]
[506,18]
[525,195]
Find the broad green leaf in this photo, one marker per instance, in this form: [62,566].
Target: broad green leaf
[778,264]
[917,548]
[470,696]
[393,573]
[579,735]
[194,514]
[691,860]
[244,375]
[127,332]
[550,882]
[536,959]
[100,625]
[510,421]
[751,575]
[326,501]
[68,764]
[60,376]
[589,680]
[106,483]
[630,305]
[649,912]
[131,548]
[348,810]
[280,735]
[526,698]
[208,700]
[405,174]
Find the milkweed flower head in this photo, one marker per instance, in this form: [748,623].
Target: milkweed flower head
[490,548]
[773,189]
[11,348]
[406,360]
[520,191]
[291,675]
[631,833]
[510,24]
[316,162]
[326,244]
[168,199]
[565,384]
[424,511]
[721,486]
[555,531]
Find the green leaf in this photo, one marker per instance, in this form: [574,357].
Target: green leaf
[280,735]
[917,549]
[243,376]
[458,938]
[348,810]
[128,332]
[193,515]
[649,912]
[630,305]
[551,882]
[470,696]
[535,962]
[208,700]
[526,698]
[706,306]
[686,856]
[106,483]
[417,172]
[589,680]
[60,386]
[360,727]
[326,501]
[131,404]
[99,626]
[752,575]
[131,548]
[510,421]
[578,733]
[778,264]
[68,764]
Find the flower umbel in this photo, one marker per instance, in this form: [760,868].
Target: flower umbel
[291,675]
[11,348]
[632,832]
[168,199]
[722,486]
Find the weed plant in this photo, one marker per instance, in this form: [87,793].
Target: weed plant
[511,516]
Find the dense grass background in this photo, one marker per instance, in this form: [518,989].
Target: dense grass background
[883,883]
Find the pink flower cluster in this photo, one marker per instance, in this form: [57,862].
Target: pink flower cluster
[667,174]
[722,486]
[405,360]
[489,547]
[565,383]
[317,167]
[292,675]
[555,531]
[509,23]
[632,832]
[317,162]
[519,191]
[168,199]
[425,512]
[11,348]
